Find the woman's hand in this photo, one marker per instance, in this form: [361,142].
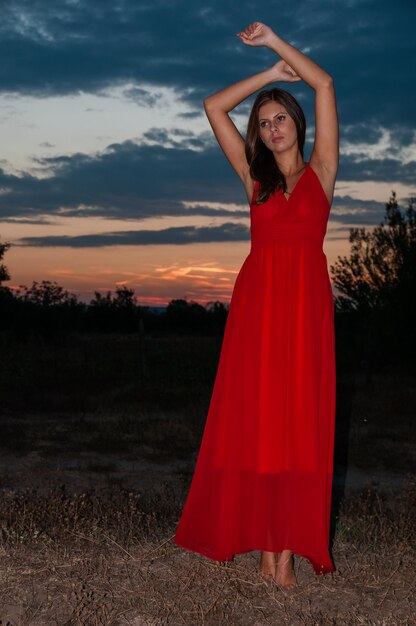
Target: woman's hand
[283,72]
[256,34]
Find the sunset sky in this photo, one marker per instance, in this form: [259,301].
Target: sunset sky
[109,172]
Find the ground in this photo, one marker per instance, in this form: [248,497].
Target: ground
[94,476]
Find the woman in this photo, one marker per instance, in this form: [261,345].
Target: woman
[263,477]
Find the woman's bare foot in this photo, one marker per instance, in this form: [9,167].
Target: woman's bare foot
[285,576]
[267,567]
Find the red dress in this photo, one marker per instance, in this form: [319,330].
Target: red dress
[263,476]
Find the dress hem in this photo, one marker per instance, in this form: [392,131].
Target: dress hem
[318,569]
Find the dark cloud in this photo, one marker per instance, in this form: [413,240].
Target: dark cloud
[366,205]
[175,235]
[359,167]
[351,211]
[402,136]
[362,132]
[89,45]
[345,209]
[178,138]
[190,115]
[73,46]
[141,96]
[127,180]
[26,220]
[137,181]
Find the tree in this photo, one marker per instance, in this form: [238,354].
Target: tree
[381,262]
[115,313]
[378,281]
[186,316]
[47,293]
[125,298]
[4,272]
[100,301]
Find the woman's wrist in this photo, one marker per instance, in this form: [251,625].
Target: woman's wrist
[274,42]
[272,75]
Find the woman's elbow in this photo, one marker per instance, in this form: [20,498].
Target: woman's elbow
[324,82]
[328,81]
[207,102]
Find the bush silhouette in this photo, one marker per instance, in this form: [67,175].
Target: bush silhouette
[378,285]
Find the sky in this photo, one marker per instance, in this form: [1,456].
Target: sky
[109,172]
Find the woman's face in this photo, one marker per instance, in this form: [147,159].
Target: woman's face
[276,128]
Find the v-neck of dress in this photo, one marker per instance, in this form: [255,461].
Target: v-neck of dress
[297,183]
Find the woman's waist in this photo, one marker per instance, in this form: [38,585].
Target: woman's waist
[269,231]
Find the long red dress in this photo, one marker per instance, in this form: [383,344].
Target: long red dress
[263,476]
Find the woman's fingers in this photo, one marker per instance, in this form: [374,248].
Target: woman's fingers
[252,30]
[255,34]
[247,39]
[255,29]
[244,38]
[245,34]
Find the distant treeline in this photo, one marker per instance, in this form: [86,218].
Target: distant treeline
[48,309]
[375,315]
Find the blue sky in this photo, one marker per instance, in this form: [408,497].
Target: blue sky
[107,154]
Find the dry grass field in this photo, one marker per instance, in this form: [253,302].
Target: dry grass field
[83,559]
[96,460]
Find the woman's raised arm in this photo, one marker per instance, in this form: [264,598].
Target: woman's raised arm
[218,105]
[325,153]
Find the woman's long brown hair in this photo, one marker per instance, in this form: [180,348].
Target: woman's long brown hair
[263,166]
